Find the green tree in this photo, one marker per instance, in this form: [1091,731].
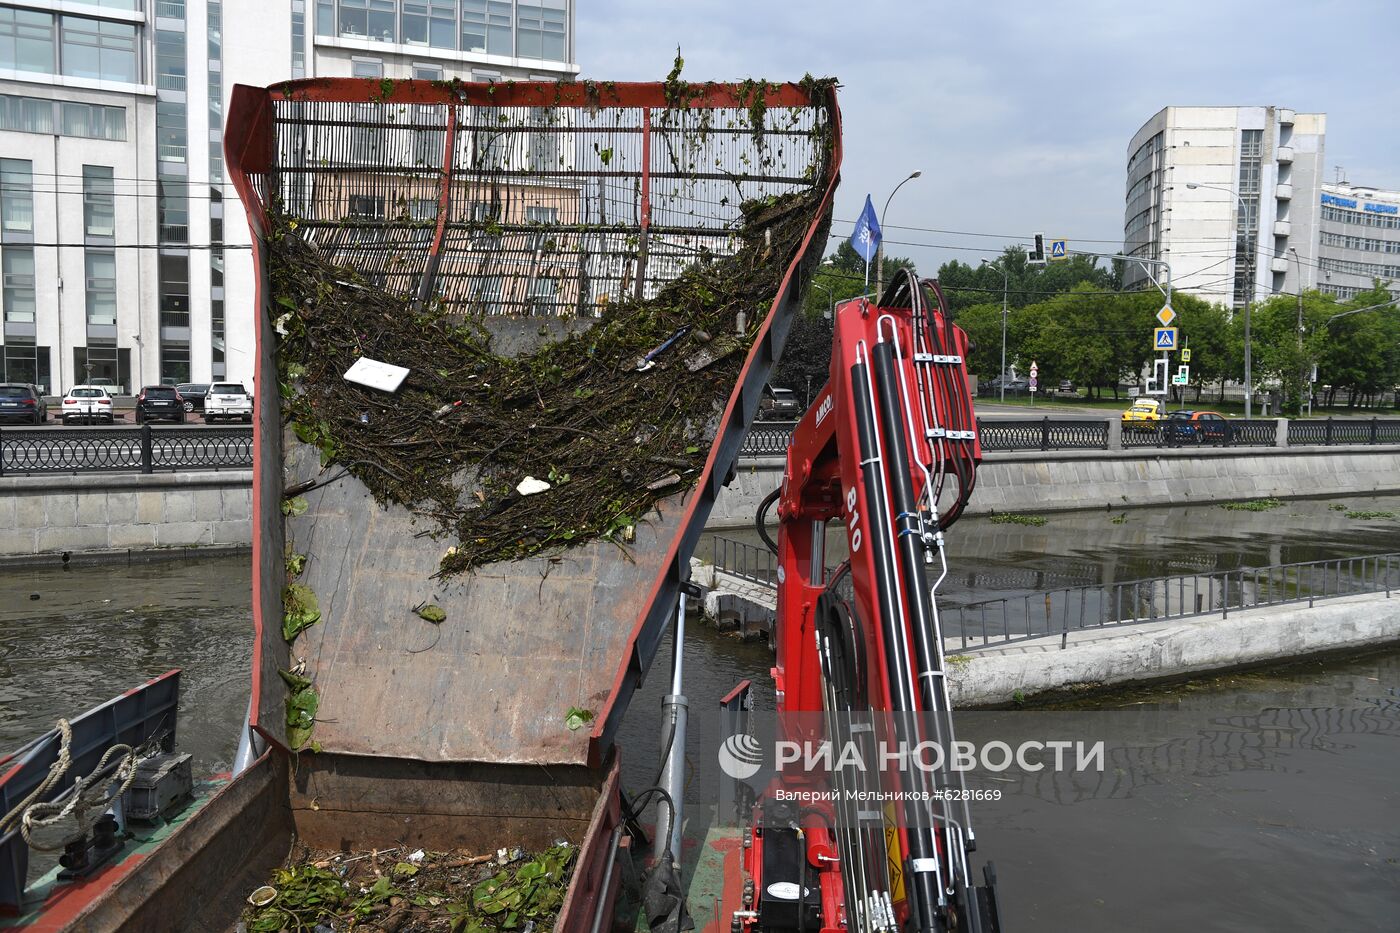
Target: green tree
[807,355]
[968,284]
[1358,353]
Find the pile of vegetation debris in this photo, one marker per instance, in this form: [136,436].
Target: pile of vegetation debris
[397,891]
[514,456]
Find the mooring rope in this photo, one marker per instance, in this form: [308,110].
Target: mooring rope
[56,772]
[33,813]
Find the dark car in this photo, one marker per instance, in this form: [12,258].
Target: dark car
[193,393]
[160,403]
[1014,386]
[1197,427]
[22,401]
[778,405]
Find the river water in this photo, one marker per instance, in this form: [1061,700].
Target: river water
[1248,802]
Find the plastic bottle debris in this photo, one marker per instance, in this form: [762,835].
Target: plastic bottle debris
[529,486]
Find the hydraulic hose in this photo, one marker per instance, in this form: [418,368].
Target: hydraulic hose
[760,519]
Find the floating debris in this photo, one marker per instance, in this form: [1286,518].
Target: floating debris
[424,891]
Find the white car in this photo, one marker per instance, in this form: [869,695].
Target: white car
[87,403]
[228,401]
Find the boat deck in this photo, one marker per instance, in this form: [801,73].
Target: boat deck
[52,905]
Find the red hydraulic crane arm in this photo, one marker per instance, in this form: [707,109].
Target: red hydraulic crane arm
[890,449]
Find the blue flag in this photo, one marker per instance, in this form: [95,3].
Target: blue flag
[866,236]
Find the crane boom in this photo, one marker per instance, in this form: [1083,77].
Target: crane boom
[889,449]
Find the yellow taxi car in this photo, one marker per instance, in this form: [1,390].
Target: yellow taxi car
[1144,415]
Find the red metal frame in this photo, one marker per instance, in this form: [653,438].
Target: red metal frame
[822,482]
[249,142]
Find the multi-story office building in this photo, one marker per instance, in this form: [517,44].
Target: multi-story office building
[1228,197]
[122,246]
[1360,239]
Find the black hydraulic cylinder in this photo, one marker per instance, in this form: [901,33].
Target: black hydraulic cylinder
[923,887]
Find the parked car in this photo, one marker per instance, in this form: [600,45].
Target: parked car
[22,401]
[156,403]
[87,403]
[193,393]
[229,401]
[1144,415]
[1014,386]
[1198,427]
[1066,388]
[778,405]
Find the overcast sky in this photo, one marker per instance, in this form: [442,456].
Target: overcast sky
[1019,113]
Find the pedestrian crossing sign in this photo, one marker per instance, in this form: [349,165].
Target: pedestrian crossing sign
[1164,338]
[1059,249]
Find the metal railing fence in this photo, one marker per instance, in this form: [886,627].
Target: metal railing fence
[770,439]
[145,449]
[1074,609]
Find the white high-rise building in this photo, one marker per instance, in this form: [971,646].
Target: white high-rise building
[123,247]
[1229,197]
[1360,240]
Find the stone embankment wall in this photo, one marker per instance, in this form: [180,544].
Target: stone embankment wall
[1036,481]
[120,512]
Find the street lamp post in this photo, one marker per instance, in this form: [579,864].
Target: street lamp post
[1302,363]
[1249,292]
[880,247]
[1005,285]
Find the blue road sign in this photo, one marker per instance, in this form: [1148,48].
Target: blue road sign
[1164,338]
[1059,249]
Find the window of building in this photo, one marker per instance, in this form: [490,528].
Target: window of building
[430,22]
[422,210]
[366,207]
[174,291]
[486,27]
[366,68]
[173,210]
[103,362]
[174,9]
[17,196]
[172,135]
[540,29]
[17,270]
[25,362]
[99,209]
[99,49]
[542,292]
[544,147]
[27,40]
[93,121]
[325,17]
[174,363]
[101,272]
[368,19]
[489,291]
[298,39]
[170,59]
[26,114]
[427,72]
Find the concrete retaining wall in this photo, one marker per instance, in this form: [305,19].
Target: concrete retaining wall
[1036,481]
[1170,649]
[111,512]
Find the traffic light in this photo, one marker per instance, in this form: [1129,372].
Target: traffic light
[1037,256]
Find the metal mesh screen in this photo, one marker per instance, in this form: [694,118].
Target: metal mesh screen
[551,210]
